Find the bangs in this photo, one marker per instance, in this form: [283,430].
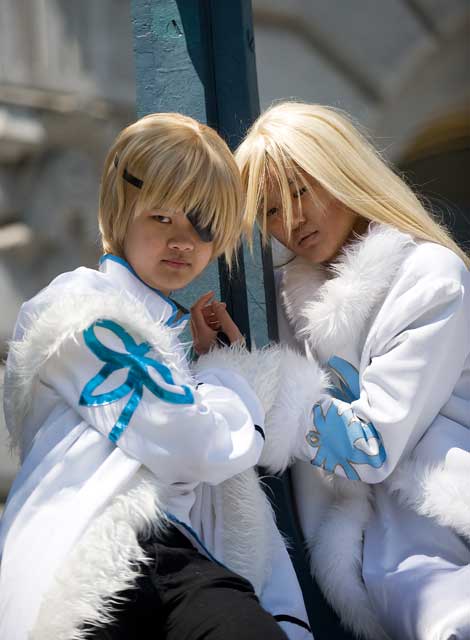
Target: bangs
[194,175]
[269,175]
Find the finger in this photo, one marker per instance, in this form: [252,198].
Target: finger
[208,311]
[203,300]
[228,326]
[212,319]
[197,310]
[211,303]
[221,312]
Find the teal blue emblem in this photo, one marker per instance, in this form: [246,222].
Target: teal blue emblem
[138,364]
[337,432]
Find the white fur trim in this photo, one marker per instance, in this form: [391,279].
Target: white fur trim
[436,491]
[63,320]
[248,529]
[260,368]
[105,560]
[328,306]
[301,384]
[287,384]
[103,563]
[336,562]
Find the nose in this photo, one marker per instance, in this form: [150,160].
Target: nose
[298,217]
[181,242]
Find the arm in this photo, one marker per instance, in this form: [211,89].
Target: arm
[363,426]
[140,397]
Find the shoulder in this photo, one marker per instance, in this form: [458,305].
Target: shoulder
[431,261]
[75,301]
[432,283]
[67,285]
[76,281]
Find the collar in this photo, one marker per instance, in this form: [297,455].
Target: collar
[331,306]
[159,305]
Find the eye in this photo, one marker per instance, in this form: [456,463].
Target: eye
[271,212]
[300,192]
[162,219]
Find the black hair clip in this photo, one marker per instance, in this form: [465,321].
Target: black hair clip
[128,177]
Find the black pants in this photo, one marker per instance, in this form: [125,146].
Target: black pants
[184,596]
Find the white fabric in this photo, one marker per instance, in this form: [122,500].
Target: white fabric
[282,592]
[399,312]
[72,472]
[208,440]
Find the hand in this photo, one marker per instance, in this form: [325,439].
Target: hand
[208,317]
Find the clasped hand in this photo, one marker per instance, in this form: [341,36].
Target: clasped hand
[208,318]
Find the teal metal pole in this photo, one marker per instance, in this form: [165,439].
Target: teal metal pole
[197,57]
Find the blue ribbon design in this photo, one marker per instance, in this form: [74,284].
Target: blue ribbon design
[138,377]
[348,380]
[335,434]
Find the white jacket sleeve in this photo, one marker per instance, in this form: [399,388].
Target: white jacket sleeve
[282,595]
[363,427]
[142,400]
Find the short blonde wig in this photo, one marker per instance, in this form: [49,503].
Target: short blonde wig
[291,140]
[183,164]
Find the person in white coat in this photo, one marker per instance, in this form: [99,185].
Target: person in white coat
[137,510]
[378,293]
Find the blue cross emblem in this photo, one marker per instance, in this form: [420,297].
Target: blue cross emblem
[138,364]
[337,431]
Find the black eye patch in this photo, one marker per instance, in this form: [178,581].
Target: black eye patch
[204,232]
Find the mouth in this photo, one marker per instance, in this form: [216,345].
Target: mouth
[307,238]
[174,263]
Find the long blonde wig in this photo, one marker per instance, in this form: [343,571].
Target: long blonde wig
[292,139]
[183,165]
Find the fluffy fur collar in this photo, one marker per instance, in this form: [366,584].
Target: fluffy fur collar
[62,320]
[330,305]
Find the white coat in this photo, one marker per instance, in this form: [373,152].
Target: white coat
[382,479]
[116,437]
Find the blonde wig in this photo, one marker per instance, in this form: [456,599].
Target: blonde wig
[293,140]
[183,165]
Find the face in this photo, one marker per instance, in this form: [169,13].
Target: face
[321,225]
[165,250]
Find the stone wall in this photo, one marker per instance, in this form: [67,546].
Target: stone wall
[66,89]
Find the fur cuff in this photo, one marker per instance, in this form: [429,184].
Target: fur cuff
[260,368]
[287,385]
[301,384]
[439,491]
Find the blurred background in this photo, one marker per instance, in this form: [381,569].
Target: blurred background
[67,86]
